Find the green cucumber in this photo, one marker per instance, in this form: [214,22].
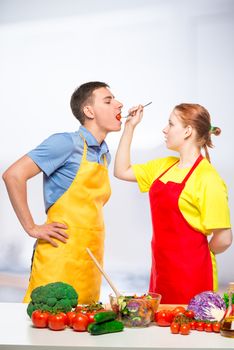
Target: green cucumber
[105,327]
[104,316]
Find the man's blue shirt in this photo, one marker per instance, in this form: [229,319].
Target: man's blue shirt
[59,157]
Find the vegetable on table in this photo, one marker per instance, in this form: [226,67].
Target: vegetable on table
[207,306]
[57,322]
[53,297]
[80,322]
[105,316]
[40,318]
[105,327]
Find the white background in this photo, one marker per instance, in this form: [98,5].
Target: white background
[163,51]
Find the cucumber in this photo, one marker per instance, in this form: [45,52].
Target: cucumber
[104,316]
[105,327]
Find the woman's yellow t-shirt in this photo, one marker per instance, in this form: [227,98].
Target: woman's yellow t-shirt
[203,201]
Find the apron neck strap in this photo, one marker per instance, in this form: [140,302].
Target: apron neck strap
[192,169]
[168,169]
[84,156]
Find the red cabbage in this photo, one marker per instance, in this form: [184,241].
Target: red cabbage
[207,306]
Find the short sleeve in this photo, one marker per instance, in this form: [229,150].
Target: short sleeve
[146,173]
[53,152]
[213,203]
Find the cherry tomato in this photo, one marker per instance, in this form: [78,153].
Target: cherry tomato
[118,117]
[178,310]
[40,318]
[80,322]
[70,317]
[175,327]
[192,325]
[57,322]
[184,328]
[90,316]
[189,314]
[208,327]
[163,318]
[200,326]
[216,327]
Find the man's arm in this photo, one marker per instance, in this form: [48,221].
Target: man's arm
[16,177]
[221,240]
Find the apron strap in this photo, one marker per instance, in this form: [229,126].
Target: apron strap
[84,156]
[192,169]
[168,169]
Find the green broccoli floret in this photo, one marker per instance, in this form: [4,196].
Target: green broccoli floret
[53,297]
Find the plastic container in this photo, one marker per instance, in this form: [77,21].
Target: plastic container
[227,323]
[135,311]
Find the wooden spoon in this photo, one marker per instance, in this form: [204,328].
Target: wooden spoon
[117,293]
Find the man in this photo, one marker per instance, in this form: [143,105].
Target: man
[76,186]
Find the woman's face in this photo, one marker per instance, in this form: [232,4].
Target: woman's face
[175,132]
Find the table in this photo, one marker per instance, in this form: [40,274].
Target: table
[17,332]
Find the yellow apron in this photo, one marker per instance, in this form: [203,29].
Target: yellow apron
[80,208]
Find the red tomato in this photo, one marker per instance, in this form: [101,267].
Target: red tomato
[189,314]
[90,316]
[118,117]
[80,322]
[216,327]
[192,325]
[178,310]
[175,327]
[163,318]
[57,322]
[40,318]
[208,327]
[184,328]
[70,317]
[200,326]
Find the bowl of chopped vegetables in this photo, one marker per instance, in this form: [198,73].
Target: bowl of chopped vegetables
[133,310]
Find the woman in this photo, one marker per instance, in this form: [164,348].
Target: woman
[188,202]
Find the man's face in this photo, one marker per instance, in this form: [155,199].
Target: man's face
[105,109]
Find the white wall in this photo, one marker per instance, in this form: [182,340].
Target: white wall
[165,51]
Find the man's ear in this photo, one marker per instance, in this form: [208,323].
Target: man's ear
[88,111]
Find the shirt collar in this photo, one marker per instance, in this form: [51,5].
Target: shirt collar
[91,141]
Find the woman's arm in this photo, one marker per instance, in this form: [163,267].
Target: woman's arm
[221,240]
[122,168]
[16,177]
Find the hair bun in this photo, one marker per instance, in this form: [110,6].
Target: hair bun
[215,130]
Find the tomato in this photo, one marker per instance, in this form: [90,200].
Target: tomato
[70,317]
[175,327]
[163,318]
[208,327]
[189,314]
[184,328]
[118,117]
[192,325]
[216,327]
[200,326]
[90,316]
[40,318]
[80,322]
[57,322]
[178,310]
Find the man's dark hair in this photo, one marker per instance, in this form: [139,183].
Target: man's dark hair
[83,95]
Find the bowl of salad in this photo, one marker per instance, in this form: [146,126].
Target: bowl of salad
[135,310]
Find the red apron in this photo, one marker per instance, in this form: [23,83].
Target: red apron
[181,261]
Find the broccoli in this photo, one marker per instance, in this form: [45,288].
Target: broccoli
[53,297]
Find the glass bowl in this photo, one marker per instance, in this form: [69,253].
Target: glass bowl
[133,310]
